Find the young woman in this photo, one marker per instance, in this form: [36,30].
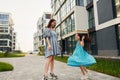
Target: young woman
[80,57]
[51,49]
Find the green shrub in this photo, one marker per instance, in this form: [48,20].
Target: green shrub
[5,67]
[17,51]
[41,48]
[2,55]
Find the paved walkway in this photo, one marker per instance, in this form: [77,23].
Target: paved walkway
[31,68]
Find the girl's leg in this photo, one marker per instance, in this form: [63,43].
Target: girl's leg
[83,72]
[85,69]
[52,65]
[47,63]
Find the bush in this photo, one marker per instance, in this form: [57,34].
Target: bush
[41,48]
[17,51]
[5,67]
[2,55]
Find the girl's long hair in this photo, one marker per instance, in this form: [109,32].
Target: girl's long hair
[49,23]
[86,40]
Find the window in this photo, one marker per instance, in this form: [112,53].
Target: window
[4,16]
[68,4]
[10,43]
[73,42]
[3,43]
[91,18]
[3,22]
[4,29]
[48,16]
[73,22]
[117,4]
[54,6]
[72,3]
[92,46]
[1,30]
[58,31]
[63,10]
[89,1]
[58,17]
[66,7]
[70,44]
[68,25]
[63,28]
[79,2]
[66,30]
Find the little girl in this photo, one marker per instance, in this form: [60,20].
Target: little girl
[80,57]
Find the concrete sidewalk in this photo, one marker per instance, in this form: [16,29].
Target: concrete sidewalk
[31,68]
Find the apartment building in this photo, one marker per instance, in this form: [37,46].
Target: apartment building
[7,34]
[99,19]
[41,25]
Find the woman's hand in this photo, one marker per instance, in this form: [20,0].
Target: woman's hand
[49,47]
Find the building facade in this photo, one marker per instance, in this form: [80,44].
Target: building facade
[99,19]
[7,34]
[70,20]
[36,42]
[107,20]
[41,25]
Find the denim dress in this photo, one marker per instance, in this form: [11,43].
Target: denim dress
[55,49]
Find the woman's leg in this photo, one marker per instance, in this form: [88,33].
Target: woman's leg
[83,72]
[47,64]
[52,65]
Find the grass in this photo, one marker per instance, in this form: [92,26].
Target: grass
[107,66]
[3,55]
[5,67]
[62,59]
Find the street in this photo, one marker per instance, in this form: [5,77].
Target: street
[31,68]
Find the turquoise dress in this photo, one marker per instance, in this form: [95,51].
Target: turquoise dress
[80,57]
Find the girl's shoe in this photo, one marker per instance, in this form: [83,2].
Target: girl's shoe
[45,77]
[84,78]
[53,76]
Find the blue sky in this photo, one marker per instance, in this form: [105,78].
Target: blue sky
[25,14]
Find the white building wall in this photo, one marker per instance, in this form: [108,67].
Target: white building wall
[81,18]
[41,25]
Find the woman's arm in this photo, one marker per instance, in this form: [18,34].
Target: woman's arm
[48,42]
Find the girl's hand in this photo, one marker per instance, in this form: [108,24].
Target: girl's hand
[83,37]
[60,48]
[49,47]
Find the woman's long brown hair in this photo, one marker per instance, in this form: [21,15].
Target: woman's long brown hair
[49,24]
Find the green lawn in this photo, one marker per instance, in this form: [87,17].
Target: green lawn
[5,67]
[107,66]
[2,55]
